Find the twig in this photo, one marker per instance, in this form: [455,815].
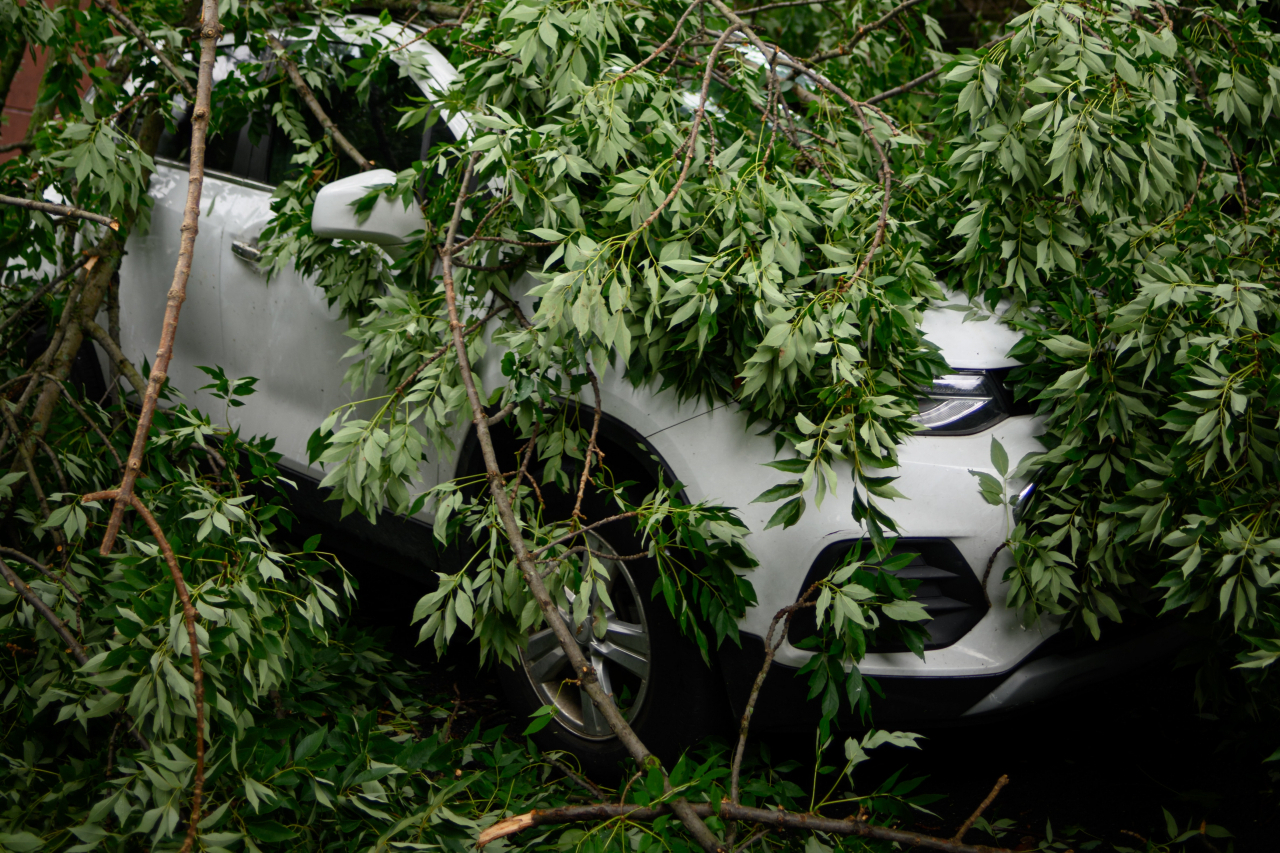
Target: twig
[60,210]
[42,569]
[982,807]
[494,208]
[771,6]
[309,98]
[592,449]
[66,395]
[581,530]
[134,30]
[209,33]
[692,141]
[660,49]
[60,627]
[439,353]
[926,77]
[771,648]
[581,781]
[45,288]
[864,31]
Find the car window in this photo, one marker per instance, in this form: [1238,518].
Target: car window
[224,139]
[255,147]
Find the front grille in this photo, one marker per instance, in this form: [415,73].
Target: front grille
[947,587]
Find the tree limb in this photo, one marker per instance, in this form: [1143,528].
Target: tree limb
[864,31]
[726,811]
[586,674]
[982,807]
[60,210]
[309,98]
[134,30]
[45,288]
[210,30]
[123,366]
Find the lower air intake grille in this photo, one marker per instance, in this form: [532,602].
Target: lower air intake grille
[947,587]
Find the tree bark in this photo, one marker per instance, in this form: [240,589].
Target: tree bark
[9,65]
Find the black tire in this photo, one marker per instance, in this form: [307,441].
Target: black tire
[682,700]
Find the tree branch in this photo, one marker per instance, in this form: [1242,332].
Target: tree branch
[864,31]
[726,811]
[60,210]
[586,674]
[188,616]
[304,91]
[210,30]
[122,364]
[134,30]
[45,288]
[982,807]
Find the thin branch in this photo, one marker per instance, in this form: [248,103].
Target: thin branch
[439,353]
[209,33]
[122,365]
[29,595]
[982,807]
[864,31]
[771,648]
[592,449]
[66,395]
[309,98]
[494,208]
[47,287]
[787,5]
[25,454]
[581,530]
[660,49]
[925,78]
[692,141]
[60,210]
[42,569]
[581,781]
[726,811]
[134,30]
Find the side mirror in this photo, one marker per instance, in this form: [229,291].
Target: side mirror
[389,223]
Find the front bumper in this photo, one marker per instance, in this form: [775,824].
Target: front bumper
[1059,665]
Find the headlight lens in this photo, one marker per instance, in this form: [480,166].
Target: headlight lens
[962,403]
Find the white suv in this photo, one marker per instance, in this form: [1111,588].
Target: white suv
[979,658]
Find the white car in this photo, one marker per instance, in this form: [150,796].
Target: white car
[980,658]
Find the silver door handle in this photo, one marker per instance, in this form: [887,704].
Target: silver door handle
[248,251]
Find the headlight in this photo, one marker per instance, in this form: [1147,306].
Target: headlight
[963,403]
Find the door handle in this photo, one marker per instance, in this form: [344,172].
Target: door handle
[247,251]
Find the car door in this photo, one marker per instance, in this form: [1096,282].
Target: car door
[152,253]
[282,330]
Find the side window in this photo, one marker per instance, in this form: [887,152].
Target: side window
[370,126]
[255,147]
[220,145]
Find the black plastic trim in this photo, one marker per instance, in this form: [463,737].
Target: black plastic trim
[947,587]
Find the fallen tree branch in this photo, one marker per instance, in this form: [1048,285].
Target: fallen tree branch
[926,77]
[982,807]
[47,287]
[188,617]
[122,364]
[309,98]
[726,811]
[66,395]
[134,30]
[864,31]
[209,33]
[60,210]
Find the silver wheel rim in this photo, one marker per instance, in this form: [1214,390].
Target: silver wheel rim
[622,655]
